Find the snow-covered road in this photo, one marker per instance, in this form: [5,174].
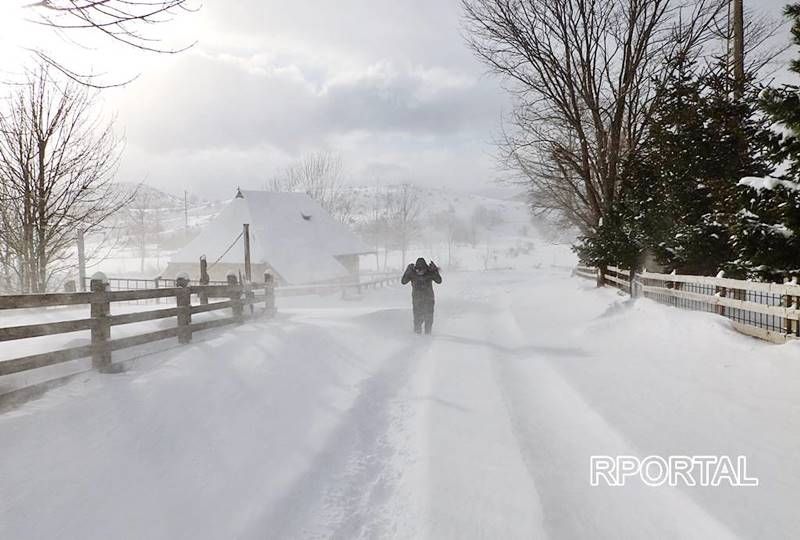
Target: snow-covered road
[337,421]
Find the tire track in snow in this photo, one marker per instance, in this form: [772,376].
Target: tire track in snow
[346,491]
[558,432]
[474,478]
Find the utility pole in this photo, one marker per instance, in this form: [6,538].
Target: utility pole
[186,213]
[81,262]
[738,48]
[246,234]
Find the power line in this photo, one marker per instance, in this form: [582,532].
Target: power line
[226,251]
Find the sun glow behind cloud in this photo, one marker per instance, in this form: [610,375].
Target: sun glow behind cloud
[16,35]
[82,51]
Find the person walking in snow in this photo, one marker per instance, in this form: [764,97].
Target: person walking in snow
[421,276]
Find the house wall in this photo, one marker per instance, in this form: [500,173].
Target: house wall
[351,263]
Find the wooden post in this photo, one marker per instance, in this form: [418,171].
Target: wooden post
[722,292]
[632,282]
[236,298]
[269,295]
[249,294]
[81,262]
[183,300]
[204,280]
[601,275]
[185,214]
[738,49]
[787,302]
[248,275]
[101,329]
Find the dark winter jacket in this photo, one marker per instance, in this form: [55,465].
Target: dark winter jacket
[421,282]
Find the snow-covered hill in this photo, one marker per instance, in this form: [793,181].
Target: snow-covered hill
[172,210]
[436,200]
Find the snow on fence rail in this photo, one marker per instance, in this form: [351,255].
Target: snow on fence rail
[101,320]
[586,272]
[134,284]
[769,311]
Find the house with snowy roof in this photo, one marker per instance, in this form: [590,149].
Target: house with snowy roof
[291,236]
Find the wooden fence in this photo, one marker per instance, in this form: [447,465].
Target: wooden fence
[100,321]
[369,282]
[227,295]
[769,311]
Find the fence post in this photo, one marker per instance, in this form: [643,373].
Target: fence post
[795,302]
[236,298]
[722,293]
[632,282]
[247,287]
[81,261]
[788,302]
[204,279]
[183,299]
[269,295]
[157,284]
[601,275]
[101,329]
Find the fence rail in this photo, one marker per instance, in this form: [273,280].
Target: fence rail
[214,297]
[768,311]
[140,284]
[586,272]
[100,322]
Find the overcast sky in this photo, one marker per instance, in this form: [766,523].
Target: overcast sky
[389,84]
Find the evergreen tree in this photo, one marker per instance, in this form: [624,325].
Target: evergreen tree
[767,235]
[783,105]
[680,197]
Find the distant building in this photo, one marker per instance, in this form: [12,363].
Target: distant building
[290,235]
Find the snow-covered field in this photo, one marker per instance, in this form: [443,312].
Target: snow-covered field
[336,421]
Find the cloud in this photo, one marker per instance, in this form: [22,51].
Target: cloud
[227,101]
[388,84]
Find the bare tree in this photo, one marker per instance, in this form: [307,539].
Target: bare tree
[451,226]
[320,175]
[8,262]
[57,162]
[122,21]
[585,75]
[403,212]
[141,222]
